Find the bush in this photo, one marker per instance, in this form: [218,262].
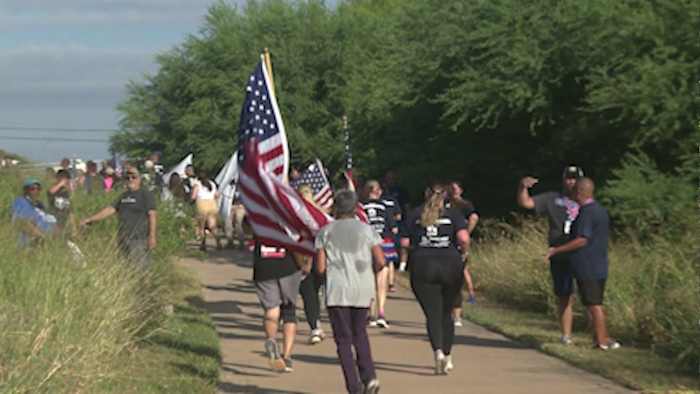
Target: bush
[649,201]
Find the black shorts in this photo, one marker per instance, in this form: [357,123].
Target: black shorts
[562,276]
[591,291]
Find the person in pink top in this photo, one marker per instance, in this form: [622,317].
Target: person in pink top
[108,179]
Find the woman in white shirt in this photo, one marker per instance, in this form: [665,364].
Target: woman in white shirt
[205,195]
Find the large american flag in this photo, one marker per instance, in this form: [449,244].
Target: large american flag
[315,177]
[278,215]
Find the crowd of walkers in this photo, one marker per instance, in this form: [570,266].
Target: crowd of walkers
[356,261]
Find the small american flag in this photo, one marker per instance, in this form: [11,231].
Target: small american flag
[315,177]
[278,215]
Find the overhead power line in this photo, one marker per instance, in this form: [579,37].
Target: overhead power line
[53,139]
[59,129]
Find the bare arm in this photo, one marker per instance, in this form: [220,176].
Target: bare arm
[152,228]
[321,261]
[473,220]
[403,253]
[57,187]
[463,241]
[523,197]
[31,229]
[378,257]
[574,244]
[101,215]
[195,190]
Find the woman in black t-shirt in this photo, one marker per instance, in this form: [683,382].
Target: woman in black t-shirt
[437,238]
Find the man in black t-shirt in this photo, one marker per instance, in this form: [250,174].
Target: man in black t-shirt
[136,211]
[588,247]
[561,210]
[277,278]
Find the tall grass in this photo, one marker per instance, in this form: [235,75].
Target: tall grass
[652,294]
[64,322]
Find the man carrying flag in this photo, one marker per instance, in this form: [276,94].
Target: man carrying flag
[315,177]
[281,220]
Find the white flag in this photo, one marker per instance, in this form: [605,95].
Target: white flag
[178,169]
[225,178]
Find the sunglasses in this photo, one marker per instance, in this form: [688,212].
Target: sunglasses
[34,187]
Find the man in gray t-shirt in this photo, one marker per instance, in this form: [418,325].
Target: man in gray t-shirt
[349,252]
[561,211]
[136,210]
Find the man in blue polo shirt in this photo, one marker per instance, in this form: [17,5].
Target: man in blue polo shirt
[30,216]
[588,246]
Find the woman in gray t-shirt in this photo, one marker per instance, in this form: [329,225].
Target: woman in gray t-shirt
[349,252]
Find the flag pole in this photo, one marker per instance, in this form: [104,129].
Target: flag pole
[268,65]
[348,155]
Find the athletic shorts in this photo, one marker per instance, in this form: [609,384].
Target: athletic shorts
[591,291]
[562,276]
[389,249]
[277,292]
[207,208]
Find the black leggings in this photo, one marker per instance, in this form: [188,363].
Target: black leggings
[309,294]
[436,279]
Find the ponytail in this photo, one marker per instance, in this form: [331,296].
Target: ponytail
[434,206]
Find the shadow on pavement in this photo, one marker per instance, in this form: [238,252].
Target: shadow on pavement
[467,340]
[240,369]
[247,389]
[379,365]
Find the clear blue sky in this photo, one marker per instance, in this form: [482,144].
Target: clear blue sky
[64,64]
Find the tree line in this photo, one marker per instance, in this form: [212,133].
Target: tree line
[481,91]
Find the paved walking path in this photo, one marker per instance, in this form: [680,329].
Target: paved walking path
[485,362]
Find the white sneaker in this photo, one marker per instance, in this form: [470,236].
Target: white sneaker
[316,336]
[382,323]
[611,345]
[440,363]
[402,266]
[274,358]
[372,323]
[458,323]
[448,364]
[566,340]
[372,387]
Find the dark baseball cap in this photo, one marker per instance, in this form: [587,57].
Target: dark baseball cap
[573,171]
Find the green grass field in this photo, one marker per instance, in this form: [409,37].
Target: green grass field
[652,303]
[100,325]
